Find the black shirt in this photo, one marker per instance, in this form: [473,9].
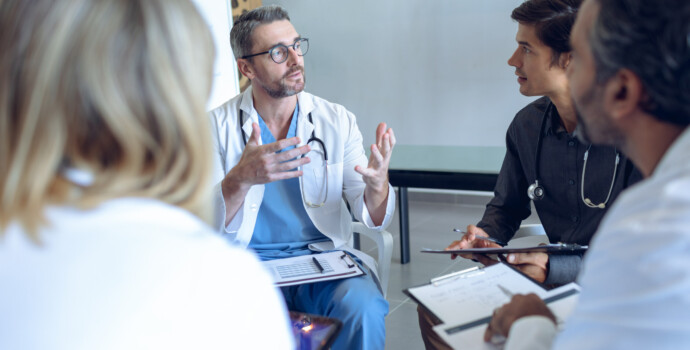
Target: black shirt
[562,212]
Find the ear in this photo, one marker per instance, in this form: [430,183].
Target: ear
[564,60]
[246,68]
[623,94]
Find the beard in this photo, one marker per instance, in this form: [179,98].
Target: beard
[280,88]
[598,127]
[581,131]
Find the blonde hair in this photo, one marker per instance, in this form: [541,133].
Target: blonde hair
[115,88]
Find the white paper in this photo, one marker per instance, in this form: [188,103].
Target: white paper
[303,269]
[473,295]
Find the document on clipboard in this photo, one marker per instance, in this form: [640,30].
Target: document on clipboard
[312,268]
[464,301]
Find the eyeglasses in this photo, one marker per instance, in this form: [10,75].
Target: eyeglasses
[279,53]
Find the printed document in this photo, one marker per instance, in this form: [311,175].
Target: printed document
[312,268]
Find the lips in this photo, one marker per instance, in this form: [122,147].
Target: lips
[520,76]
[295,73]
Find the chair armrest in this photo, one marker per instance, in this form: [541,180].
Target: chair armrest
[384,243]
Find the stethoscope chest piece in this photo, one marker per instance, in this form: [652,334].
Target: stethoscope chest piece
[535,191]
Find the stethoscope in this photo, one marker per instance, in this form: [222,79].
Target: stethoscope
[536,191]
[313,138]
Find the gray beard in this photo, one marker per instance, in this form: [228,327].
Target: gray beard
[280,92]
[283,90]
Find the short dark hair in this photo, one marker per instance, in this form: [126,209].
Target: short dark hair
[243,28]
[553,20]
[652,39]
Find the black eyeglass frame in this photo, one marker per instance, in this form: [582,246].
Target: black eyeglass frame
[287,48]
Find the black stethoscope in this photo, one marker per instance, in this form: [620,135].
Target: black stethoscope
[313,138]
[536,191]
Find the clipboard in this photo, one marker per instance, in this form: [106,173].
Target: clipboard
[473,293]
[555,248]
[463,301]
[313,268]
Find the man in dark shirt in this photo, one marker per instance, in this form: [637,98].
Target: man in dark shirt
[578,182]
[567,183]
[571,183]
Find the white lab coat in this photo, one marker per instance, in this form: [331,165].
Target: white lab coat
[337,128]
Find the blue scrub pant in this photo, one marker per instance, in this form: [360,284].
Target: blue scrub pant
[356,302]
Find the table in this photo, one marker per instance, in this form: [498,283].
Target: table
[472,168]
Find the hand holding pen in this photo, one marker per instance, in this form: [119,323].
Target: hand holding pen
[471,239]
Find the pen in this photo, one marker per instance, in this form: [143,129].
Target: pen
[490,239]
[316,262]
[483,238]
[505,291]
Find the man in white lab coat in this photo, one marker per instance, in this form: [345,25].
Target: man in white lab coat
[629,76]
[286,159]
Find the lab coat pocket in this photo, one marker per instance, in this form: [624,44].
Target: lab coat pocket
[323,187]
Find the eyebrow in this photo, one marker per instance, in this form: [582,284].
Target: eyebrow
[281,43]
[524,43]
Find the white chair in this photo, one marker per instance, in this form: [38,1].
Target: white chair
[530,230]
[384,243]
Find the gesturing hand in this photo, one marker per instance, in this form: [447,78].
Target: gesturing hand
[261,164]
[375,175]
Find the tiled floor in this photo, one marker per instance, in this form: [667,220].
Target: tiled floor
[432,218]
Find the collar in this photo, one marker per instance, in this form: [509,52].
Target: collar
[676,157]
[554,124]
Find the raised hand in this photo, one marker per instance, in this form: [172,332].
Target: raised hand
[375,175]
[260,164]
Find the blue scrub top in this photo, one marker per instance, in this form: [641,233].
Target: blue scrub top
[283,228]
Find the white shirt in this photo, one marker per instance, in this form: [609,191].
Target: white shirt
[134,273]
[636,276]
[337,128]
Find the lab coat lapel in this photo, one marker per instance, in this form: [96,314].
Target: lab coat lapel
[249,113]
[304,127]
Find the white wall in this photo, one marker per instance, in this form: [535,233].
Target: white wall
[218,15]
[434,70]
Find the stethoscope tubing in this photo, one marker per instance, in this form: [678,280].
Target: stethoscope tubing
[585,200]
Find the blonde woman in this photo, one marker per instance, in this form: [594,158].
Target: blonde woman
[104,170]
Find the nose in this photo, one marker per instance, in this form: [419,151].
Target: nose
[293,57]
[514,60]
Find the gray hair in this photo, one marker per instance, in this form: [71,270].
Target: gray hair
[242,30]
[652,39]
